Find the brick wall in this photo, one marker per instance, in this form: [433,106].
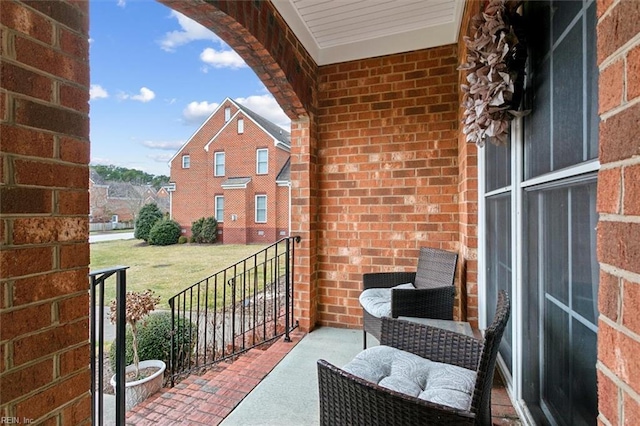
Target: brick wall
[388,170]
[44,256]
[619,208]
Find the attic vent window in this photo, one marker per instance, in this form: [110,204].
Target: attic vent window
[240,126]
[186,161]
[227,114]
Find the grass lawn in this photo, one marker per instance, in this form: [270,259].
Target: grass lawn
[166,270]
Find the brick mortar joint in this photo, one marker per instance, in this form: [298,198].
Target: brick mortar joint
[622,51]
[617,381]
[618,218]
[620,273]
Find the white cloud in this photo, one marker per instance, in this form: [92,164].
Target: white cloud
[222,58]
[166,145]
[196,112]
[98,92]
[160,158]
[266,106]
[122,3]
[100,160]
[145,95]
[190,31]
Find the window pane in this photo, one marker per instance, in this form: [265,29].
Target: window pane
[562,14]
[556,389]
[498,166]
[538,124]
[567,100]
[584,265]
[592,85]
[219,164]
[498,252]
[555,243]
[220,209]
[261,208]
[583,349]
[262,161]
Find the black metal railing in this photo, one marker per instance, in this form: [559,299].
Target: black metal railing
[98,280]
[234,310]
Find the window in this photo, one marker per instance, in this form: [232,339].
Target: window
[262,161]
[261,208]
[240,126]
[227,114]
[219,207]
[218,165]
[186,161]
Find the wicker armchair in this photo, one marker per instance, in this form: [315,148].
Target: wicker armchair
[346,399]
[432,297]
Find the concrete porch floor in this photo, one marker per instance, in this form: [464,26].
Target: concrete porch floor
[276,386]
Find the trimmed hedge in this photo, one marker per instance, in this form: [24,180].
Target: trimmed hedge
[154,339]
[165,232]
[204,230]
[148,215]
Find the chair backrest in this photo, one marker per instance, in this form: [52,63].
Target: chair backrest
[481,402]
[436,268]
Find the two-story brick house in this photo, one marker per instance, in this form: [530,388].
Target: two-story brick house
[235,167]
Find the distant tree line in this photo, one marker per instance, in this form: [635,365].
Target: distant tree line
[122,174]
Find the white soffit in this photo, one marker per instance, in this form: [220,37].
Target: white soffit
[335,31]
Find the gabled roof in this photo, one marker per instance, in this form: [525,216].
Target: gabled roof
[281,138]
[279,135]
[96,178]
[285,173]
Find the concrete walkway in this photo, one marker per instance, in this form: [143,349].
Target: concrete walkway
[96,238]
[289,395]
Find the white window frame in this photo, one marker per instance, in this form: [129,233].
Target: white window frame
[216,156]
[217,199]
[265,208]
[186,161]
[227,114]
[266,161]
[240,126]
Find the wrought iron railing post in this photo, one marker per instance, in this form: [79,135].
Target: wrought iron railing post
[287,282]
[172,355]
[97,291]
[121,322]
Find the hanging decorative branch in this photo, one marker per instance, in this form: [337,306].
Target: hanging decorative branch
[496,56]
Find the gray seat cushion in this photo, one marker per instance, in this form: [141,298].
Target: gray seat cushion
[419,377]
[377,301]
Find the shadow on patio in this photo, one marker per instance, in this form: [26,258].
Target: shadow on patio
[276,386]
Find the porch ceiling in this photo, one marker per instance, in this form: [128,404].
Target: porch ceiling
[335,31]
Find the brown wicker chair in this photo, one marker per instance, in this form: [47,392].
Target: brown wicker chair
[349,400]
[433,296]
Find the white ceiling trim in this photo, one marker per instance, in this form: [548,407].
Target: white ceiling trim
[442,29]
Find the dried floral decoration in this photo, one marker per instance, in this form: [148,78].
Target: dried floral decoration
[496,56]
[138,305]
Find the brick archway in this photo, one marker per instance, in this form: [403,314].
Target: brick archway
[257,32]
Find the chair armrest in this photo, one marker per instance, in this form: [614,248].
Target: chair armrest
[434,303]
[433,343]
[349,400]
[387,279]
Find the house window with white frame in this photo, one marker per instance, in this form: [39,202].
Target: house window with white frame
[218,164]
[240,126]
[186,161]
[227,114]
[219,208]
[262,161]
[261,209]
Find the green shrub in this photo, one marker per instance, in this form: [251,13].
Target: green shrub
[148,215]
[154,339]
[165,232]
[182,239]
[205,230]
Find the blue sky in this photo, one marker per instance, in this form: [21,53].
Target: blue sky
[156,76]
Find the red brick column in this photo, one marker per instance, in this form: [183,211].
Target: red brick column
[619,207]
[44,207]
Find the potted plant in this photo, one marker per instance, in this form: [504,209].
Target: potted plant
[142,378]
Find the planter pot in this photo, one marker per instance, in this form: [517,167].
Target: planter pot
[139,390]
